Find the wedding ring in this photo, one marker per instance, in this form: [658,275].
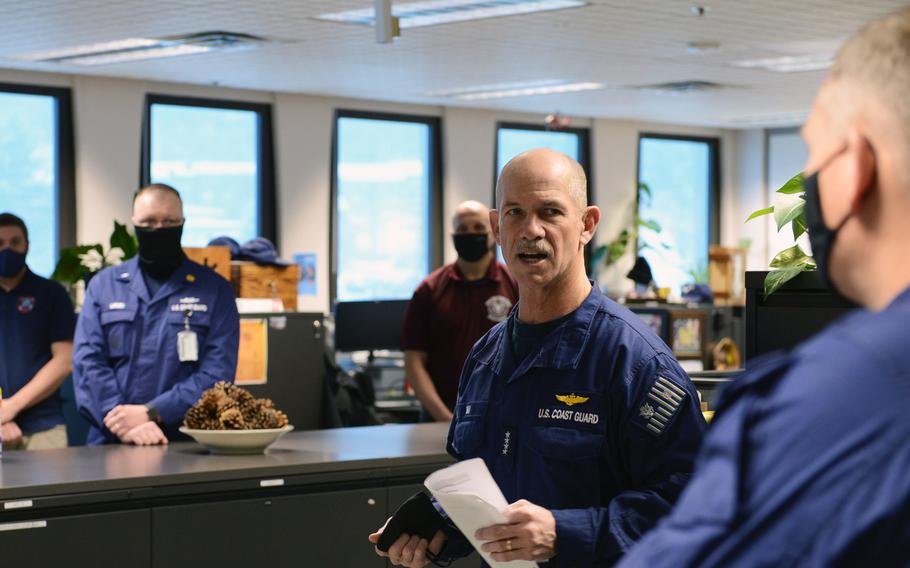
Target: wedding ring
[509,545]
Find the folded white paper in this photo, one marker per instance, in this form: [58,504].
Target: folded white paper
[471,498]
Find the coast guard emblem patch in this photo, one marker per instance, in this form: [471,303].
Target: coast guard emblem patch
[25,304]
[498,308]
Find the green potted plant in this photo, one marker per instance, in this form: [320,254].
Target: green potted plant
[607,254]
[80,263]
[789,208]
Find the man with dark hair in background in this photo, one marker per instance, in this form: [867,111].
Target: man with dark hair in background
[452,308]
[807,462]
[36,346]
[154,332]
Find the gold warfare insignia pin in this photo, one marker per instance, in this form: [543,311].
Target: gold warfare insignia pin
[572,399]
[190,278]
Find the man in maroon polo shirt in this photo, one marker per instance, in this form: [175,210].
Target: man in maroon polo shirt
[451,309]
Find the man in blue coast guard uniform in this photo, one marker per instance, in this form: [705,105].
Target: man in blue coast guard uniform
[154,332]
[807,462]
[581,413]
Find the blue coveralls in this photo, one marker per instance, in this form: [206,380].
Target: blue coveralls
[126,344]
[600,426]
[807,462]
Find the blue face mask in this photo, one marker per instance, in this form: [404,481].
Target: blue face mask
[11,263]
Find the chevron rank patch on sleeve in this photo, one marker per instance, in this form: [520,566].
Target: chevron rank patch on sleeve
[660,406]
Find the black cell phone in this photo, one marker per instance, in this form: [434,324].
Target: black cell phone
[416,516]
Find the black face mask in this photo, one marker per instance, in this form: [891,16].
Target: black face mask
[471,246]
[159,250]
[820,236]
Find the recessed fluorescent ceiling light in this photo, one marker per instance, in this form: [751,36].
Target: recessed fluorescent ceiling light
[788,64]
[133,49]
[526,89]
[793,118]
[433,12]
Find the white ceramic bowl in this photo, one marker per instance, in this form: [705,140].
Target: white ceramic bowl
[236,441]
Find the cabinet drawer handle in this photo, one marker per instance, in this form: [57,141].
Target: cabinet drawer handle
[24,526]
[371,502]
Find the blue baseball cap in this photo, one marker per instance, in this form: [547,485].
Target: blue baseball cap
[262,251]
[226,242]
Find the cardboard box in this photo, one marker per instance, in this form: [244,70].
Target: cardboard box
[253,280]
[726,275]
[216,258]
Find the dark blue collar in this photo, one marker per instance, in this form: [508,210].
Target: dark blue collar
[562,348]
[902,299]
[187,274]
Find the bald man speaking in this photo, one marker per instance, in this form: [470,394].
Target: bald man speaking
[583,416]
[451,309]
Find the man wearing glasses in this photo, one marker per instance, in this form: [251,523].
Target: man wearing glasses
[154,332]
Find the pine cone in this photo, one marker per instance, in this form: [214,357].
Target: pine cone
[209,401]
[196,417]
[231,419]
[227,406]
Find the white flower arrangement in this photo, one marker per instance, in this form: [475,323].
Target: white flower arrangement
[93,261]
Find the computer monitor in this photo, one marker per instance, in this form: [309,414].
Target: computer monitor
[796,312]
[369,326]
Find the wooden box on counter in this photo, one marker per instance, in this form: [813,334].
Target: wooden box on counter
[217,258]
[253,280]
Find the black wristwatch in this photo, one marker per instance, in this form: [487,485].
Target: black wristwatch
[153,413]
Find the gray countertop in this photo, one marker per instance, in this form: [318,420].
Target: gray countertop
[59,477]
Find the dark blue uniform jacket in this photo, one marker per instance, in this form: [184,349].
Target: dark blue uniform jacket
[600,426]
[807,462]
[126,343]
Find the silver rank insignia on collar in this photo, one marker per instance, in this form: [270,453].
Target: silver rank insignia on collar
[663,402]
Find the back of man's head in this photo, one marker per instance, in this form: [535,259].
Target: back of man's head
[9,220]
[874,66]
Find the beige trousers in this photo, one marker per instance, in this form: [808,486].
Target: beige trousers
[46,440]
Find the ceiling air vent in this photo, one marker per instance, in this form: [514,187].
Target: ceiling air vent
[221,40]
[680,87]
[132,49]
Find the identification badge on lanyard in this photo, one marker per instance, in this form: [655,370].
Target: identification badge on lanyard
[187,342]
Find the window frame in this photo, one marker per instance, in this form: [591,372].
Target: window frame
[65,162]
[714,172]
[584,155]
[265,151]
[434,199]
[584,150]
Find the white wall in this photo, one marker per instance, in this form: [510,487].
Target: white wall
[108,115]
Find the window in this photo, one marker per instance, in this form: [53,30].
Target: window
[513,139]
[218,155]
[36,168]
[787,154]
[386,205]
[682,175]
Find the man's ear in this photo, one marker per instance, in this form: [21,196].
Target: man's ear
[590,219]
[494,225]
[861,167]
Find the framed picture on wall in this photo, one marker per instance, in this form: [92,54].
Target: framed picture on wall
[657,319]
[687,333]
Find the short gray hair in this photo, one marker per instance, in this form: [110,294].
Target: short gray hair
[877,60]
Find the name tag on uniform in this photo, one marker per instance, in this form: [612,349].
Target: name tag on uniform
[187,346]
